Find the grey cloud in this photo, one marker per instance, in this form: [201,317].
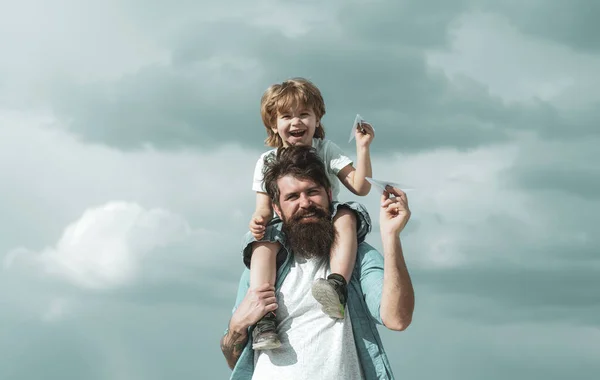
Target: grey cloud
[521,287]
[118,340]
[583,182]
[416,24]
[553,124]
[32,351]
[543,281]
[572,23]
[571,168]
[190,103]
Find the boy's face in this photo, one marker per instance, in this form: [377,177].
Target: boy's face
[296,126]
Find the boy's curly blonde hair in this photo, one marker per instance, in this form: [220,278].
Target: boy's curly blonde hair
[281,97]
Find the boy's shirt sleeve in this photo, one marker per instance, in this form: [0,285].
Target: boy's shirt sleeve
[257,181]
[371,278]
[334,157]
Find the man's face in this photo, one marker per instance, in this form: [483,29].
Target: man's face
[304,210]
[299,197]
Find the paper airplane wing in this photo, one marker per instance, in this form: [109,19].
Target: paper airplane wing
[382,184]
[357,121]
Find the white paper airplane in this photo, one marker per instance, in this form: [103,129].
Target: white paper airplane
[382,184]
[358,120]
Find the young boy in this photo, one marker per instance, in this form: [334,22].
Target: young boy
[292,113]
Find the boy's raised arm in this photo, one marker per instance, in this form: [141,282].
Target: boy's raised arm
[355,178]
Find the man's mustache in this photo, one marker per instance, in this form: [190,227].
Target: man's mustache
[316,211]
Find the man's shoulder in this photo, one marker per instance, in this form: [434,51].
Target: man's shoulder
[368,255]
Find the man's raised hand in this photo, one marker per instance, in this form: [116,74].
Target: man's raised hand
[394,213]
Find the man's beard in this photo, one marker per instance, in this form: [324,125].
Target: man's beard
[313,238]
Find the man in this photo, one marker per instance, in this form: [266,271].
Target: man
[315,346]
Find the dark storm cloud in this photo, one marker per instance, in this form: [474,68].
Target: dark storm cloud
[382,75]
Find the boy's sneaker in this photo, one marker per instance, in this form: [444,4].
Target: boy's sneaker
[332,293]
[264,336]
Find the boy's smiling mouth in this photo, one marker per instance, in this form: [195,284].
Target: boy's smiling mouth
[297,133]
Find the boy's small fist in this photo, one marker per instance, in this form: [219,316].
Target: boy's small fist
[257,227]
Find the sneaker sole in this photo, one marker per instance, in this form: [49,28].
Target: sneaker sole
[328,298]
[268,345]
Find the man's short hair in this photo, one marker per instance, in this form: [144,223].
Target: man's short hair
[301,162]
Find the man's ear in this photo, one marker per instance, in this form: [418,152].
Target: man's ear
[277,210]
[330,194]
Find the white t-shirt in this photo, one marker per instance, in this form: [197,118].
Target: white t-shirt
[313,345]
[330,153]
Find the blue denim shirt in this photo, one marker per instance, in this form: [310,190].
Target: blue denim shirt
[364,301]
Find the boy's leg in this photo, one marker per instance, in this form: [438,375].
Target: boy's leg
[262,263]
[343,254]
[332,292]
[263,270]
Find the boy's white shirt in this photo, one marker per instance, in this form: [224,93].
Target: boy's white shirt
[331,154]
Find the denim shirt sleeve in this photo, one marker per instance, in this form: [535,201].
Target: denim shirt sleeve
[243,287]
[369,271]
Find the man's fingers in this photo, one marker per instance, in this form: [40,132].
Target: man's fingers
[384,197]
[395,191]
[387,202]
[271,307]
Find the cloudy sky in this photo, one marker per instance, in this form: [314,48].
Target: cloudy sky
[128,134]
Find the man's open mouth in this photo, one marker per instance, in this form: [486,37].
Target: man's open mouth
[297,133]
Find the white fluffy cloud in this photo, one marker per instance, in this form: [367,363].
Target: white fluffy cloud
[105,247]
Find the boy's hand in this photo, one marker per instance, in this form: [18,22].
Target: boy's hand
[364,134]
[257,226]
[394,213]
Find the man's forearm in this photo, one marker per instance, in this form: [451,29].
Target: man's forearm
[398,298]
[232,345]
